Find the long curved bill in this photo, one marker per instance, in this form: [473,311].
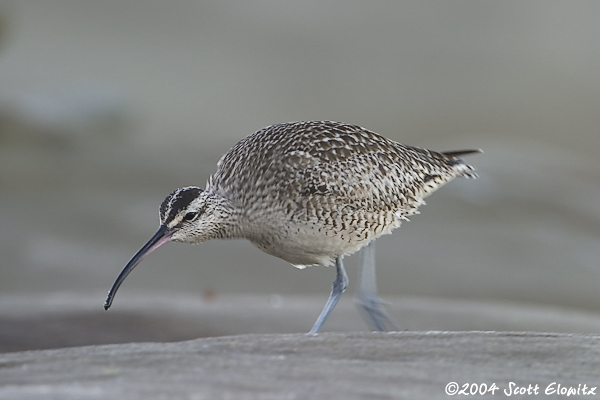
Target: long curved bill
[162,236]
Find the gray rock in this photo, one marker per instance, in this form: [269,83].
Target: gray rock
[400,365]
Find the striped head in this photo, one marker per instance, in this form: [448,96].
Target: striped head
[192,215]
[181,208]
[187,215]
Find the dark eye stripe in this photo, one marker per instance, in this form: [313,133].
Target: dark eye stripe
[178,200]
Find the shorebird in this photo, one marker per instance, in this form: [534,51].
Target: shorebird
[309,193]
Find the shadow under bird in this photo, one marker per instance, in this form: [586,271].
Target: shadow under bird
[309,193]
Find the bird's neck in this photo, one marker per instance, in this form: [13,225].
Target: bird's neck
[230,225]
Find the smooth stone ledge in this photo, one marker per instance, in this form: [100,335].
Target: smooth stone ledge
[71,319]
[399,365]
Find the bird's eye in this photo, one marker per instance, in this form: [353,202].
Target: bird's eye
[190,216]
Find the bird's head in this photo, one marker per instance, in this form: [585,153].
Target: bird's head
[187,215]
[191,215]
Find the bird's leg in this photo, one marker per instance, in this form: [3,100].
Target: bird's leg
[366,296]
[337,289]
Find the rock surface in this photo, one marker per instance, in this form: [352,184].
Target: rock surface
[78,319]
[263,359]
[400,365]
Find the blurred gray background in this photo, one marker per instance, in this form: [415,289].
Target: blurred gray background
[106,106]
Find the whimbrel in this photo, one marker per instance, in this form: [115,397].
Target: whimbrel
[309,193]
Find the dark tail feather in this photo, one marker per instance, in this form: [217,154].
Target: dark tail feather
[459,153]
[453,159]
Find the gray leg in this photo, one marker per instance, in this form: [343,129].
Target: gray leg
[366,295]
[337,289]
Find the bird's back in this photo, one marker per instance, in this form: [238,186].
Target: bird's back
[324,188]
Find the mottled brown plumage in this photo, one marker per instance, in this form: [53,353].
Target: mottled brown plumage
[312,191]
[308,193]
